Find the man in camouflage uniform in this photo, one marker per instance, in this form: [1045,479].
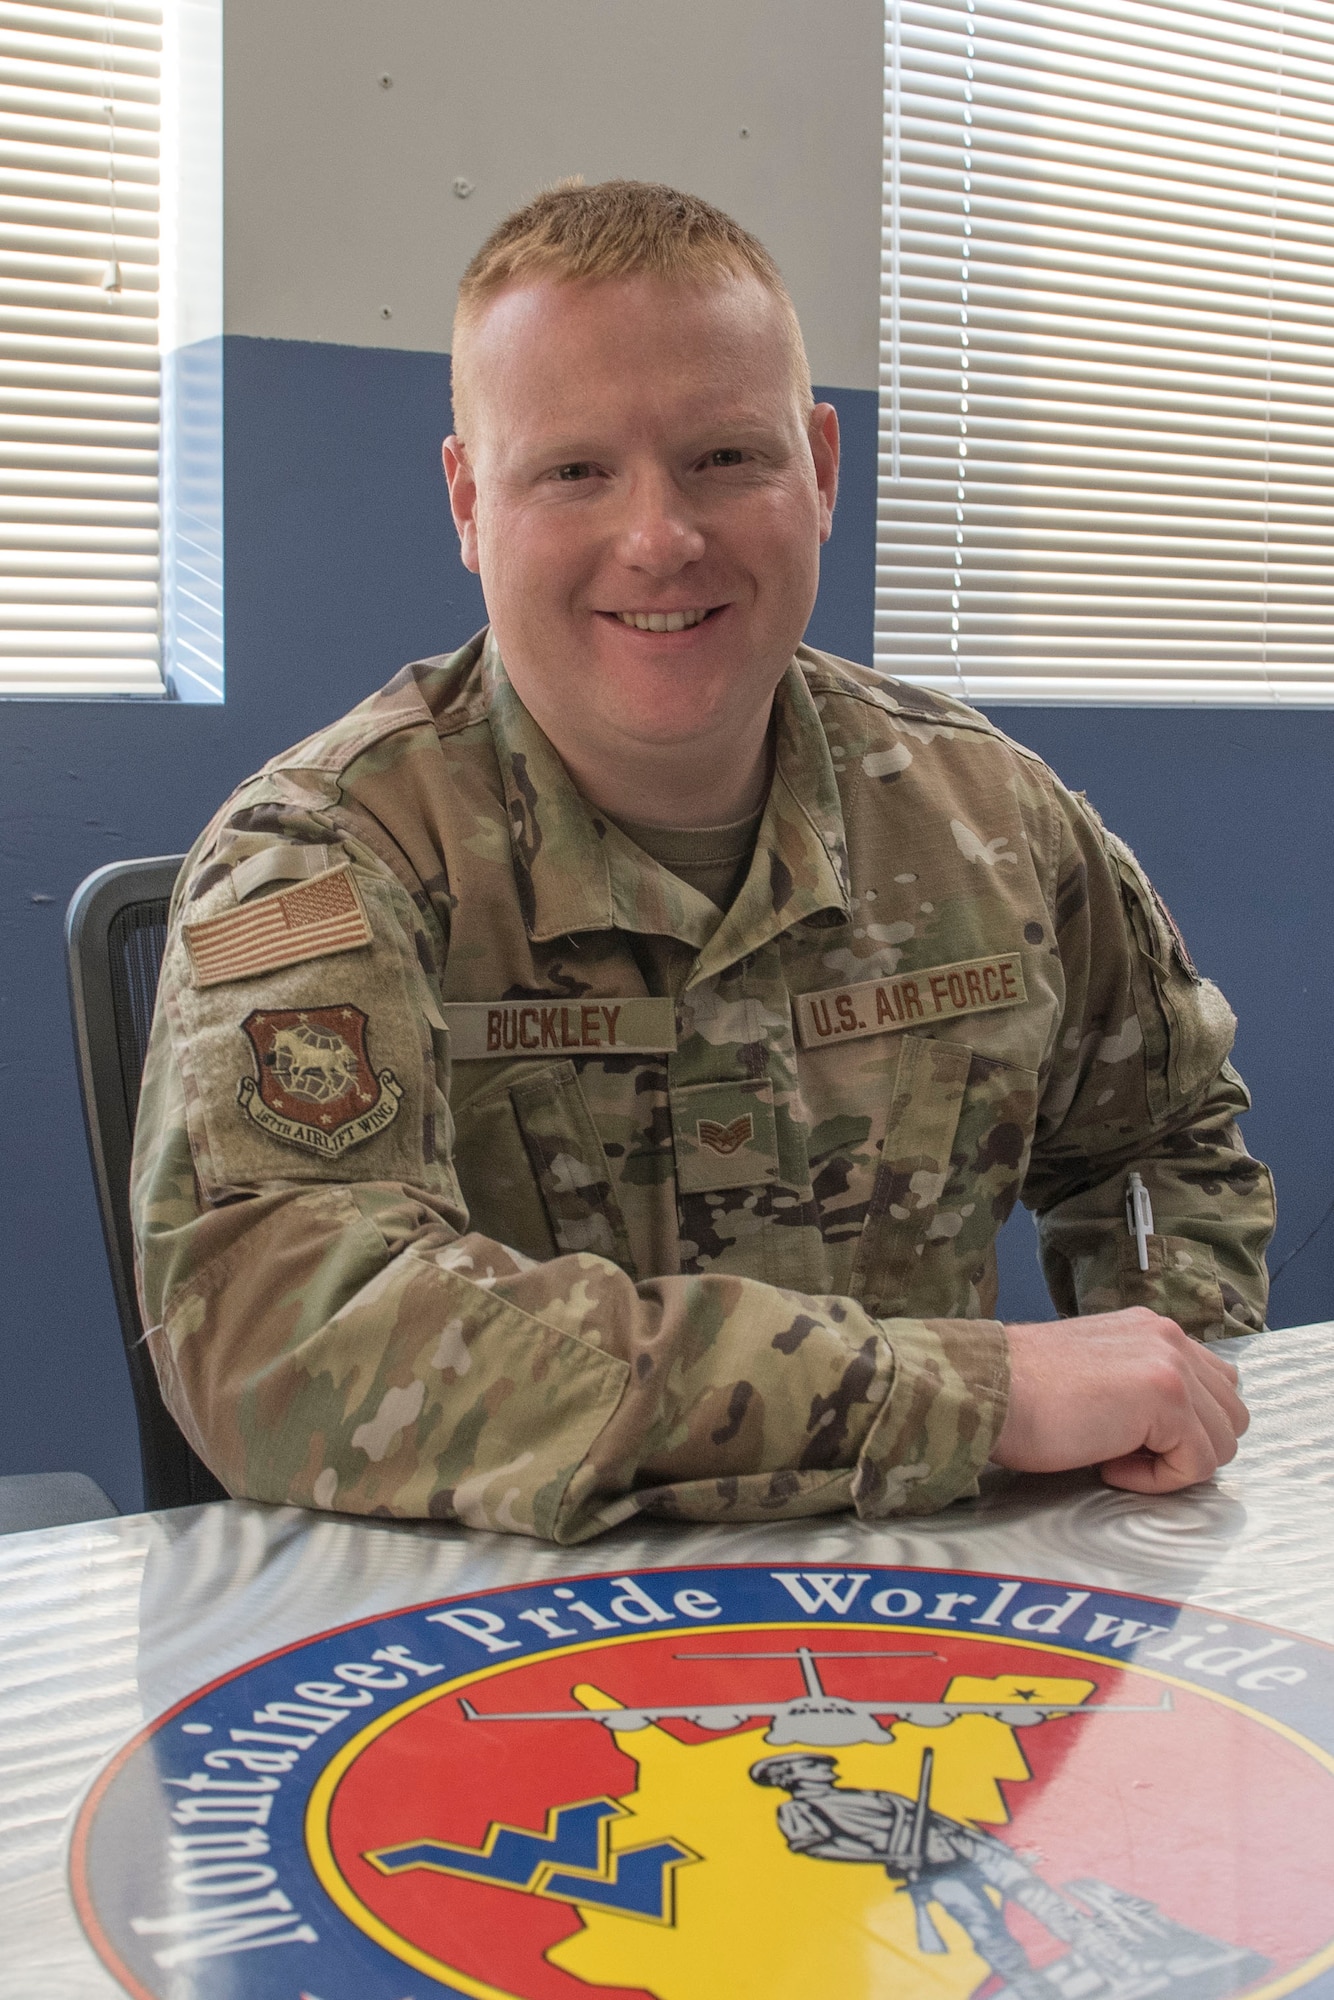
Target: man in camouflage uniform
[590,1077]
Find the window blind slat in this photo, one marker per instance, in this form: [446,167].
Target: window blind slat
[33,350]
[1107,364]
[65,523]
[79,547]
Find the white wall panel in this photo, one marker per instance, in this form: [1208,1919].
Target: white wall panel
[340,201]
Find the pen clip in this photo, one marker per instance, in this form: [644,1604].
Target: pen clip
[1139,1218]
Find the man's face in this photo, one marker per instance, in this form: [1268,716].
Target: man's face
[636,452]
[799,1772]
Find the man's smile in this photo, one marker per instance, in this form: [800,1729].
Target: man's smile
[664,621]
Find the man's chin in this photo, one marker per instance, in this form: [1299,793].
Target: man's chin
[673,719]
[625,699]
[671,698]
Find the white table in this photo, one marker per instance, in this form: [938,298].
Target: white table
[1223,1805]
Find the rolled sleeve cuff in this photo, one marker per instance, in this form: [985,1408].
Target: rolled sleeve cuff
[943,1414]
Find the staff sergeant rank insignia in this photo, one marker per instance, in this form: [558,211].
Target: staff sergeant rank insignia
[937,993]
[316,1087]
[721,1138]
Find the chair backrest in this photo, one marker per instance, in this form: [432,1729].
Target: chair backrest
[116,933]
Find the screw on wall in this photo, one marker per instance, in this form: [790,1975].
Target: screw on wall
[385,82]
[745,131]
[386,312]
[463,187]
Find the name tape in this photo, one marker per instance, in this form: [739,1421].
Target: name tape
[882,1006]
[479,1029]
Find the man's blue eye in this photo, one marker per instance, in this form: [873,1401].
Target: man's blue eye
[577,470]
[731,456]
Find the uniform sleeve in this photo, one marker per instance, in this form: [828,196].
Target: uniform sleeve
[328,1331]
[1141,1081]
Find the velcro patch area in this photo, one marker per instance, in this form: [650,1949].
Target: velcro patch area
[311,920]
[316,1087]
[911,1000]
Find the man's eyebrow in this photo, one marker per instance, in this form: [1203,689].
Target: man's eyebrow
[569,449]
[572,448]
[744,423]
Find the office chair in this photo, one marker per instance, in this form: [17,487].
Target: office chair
[115,934]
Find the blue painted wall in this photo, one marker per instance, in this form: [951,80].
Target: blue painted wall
[341,564]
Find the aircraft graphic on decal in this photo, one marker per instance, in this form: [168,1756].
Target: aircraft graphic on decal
[818,1717]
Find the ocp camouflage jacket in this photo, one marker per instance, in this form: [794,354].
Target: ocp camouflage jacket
[485,1172]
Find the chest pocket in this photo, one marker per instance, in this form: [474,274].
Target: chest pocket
[569,1165]
[955,1155]
[929,1087]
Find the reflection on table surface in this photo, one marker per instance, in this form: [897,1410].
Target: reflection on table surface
[104,1626]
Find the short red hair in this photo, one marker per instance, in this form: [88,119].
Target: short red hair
[618,229]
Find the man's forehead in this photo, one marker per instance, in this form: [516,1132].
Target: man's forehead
[544,300]
[547,330]
[638,349]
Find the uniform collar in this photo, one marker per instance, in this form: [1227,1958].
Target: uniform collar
[575,871]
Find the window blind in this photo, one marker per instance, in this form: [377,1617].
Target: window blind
[79,347]
[1107,404]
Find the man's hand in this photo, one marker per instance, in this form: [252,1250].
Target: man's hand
[1125,1391]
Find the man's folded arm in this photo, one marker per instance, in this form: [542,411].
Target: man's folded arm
[349,1345]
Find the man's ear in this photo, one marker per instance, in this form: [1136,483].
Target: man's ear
[822,430]
[462,498]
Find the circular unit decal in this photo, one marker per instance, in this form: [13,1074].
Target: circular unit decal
[699,1784]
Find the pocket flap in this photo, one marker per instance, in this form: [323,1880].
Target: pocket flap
[725,1135]
[914,1167]
[570,1166]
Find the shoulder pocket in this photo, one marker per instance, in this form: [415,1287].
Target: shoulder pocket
[314,1071]
[1181,1281]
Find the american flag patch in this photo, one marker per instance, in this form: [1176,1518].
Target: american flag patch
[310,920]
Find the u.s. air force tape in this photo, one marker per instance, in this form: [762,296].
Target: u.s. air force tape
[937,993]
[479,1029]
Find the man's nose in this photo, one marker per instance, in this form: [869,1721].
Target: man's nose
[659,532]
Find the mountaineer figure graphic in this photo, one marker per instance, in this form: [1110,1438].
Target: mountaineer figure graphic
[943,1862]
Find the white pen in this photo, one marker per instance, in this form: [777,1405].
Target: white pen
[1139,1218]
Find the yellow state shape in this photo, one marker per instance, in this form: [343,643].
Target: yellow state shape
[983,1751]
[753,1917]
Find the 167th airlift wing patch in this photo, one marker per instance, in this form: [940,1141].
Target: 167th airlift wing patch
[711,1783]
